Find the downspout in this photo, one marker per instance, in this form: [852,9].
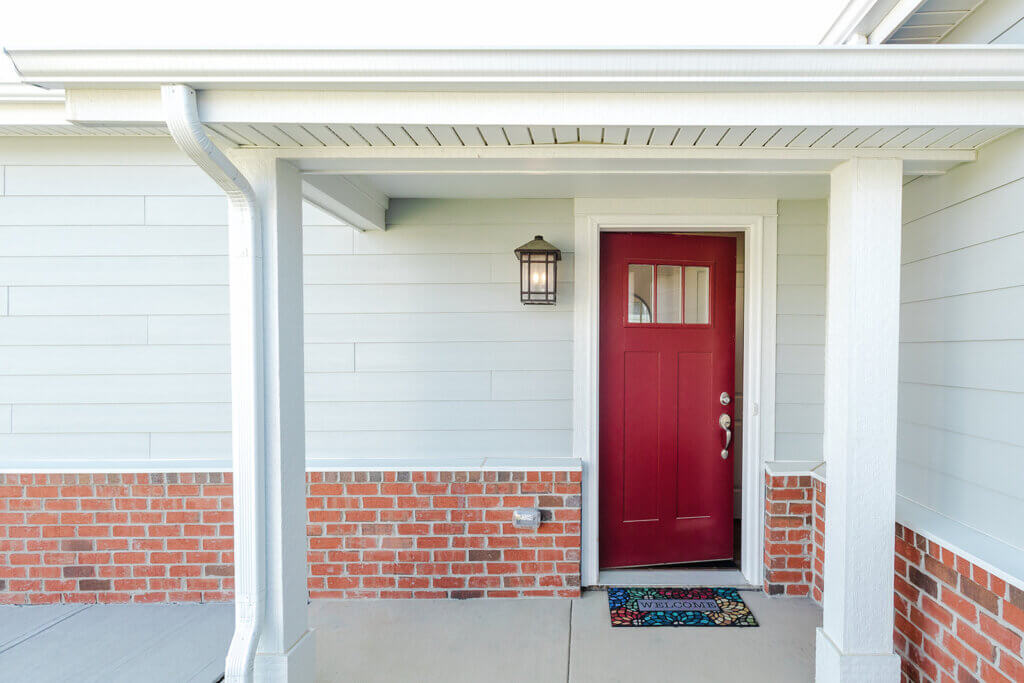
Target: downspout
[246,295]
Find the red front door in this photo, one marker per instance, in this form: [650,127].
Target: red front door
[668,334]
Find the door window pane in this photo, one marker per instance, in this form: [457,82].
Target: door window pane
[641,293]
[697,291]
[670,294]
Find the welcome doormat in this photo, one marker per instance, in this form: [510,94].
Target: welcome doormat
[644,606]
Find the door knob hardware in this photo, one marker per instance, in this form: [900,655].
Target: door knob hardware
[725,399]
[725,422]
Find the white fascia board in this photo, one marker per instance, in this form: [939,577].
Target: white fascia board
[348,200]
[29,113]
[989,107]
[651,70]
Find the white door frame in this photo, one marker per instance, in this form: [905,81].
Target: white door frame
[757,220]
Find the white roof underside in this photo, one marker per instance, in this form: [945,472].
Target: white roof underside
[369,135]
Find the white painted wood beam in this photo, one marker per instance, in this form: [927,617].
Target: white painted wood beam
[861,376]
[285,651]
[347,199]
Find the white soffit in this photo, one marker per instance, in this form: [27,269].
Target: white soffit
[267,135]
[930,22]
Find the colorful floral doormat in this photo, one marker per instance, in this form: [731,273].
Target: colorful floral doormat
[678,607]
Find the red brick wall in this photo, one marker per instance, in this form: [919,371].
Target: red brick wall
[442,534]
[954,620]
[818,547]
[788,524]
[167,537]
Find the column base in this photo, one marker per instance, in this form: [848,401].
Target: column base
[297,665]
[833,666]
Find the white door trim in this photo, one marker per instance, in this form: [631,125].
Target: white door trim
[757,220]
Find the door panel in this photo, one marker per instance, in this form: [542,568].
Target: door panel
[666,354]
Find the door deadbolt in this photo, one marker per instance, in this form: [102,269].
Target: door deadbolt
[725,399]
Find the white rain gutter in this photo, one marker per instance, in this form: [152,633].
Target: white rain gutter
[246,266]
[782,69]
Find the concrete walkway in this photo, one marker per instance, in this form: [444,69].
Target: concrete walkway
[399,641]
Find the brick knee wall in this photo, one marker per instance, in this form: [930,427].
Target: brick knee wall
[788,543]
[168,537]
[442,534]
[818,541]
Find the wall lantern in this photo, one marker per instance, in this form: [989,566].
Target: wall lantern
[538,271]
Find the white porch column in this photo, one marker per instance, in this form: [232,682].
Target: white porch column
[861,358]
[285,652]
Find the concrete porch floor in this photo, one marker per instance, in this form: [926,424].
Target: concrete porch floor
[539,641]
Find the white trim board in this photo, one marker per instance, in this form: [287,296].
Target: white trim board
[756,218]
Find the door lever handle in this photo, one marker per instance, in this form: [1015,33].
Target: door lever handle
[725,422]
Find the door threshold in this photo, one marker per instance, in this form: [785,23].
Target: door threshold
[672,577]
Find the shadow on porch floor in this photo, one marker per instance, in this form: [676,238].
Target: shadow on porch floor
[500,641]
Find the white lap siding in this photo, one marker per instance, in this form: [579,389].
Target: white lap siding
[800,331]
[113,322]
[962,353]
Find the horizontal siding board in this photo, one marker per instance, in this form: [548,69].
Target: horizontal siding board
[115,300]
[802,239]
[800,447]
[531,385]
[800,329]
[329,357]
[992,512]
[186,210]
[122,417]
[512,326]
[968,317]
[793,418]
[992,265]
[76,211]
[438,415]
[79,448]
[801,300]
[188,329]
[801,269]
[327,239]
[800,359]
[459,238]
[992,365]
[412,444]
[802,389]
[413,298]
[75,389]
[990,415]
[120,270]
[398,386]
[987,217]
[394,269]
[110,240]
[113,360]
[119,180]
[72,330]
[185,446]
[465,356]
